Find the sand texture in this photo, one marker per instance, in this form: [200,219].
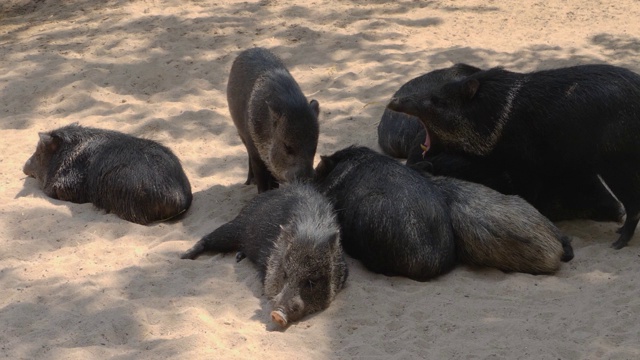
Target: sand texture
[78,283]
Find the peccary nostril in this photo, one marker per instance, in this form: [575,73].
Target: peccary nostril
[279,317]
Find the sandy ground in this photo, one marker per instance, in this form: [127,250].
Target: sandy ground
[81,284]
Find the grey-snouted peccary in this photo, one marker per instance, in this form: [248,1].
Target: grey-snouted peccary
[581,119]
[137,179]
[274,120]
[400,134]
[293,237]
[391,219]
[501,231]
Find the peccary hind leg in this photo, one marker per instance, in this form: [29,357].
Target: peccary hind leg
[624,182]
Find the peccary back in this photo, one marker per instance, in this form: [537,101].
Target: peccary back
[293,237]
[274,120]
[390,218]
[139,180]
[502,231]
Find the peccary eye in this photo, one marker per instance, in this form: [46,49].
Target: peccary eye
[288,149]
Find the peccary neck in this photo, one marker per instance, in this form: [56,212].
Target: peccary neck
[490,112]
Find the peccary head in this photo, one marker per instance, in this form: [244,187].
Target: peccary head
[305,270]
[294,141]
[38,164]
[447,112]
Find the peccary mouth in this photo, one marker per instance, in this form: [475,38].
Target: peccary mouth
[427,142]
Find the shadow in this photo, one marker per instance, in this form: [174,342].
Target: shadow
[618,46]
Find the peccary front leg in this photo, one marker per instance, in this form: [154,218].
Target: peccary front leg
[262,175]
[250,178]
[221,240]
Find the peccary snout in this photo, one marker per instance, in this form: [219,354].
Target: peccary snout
[288,306]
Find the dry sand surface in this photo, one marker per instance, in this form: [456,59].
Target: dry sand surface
[81,284]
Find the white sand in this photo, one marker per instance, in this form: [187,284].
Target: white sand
[80,284]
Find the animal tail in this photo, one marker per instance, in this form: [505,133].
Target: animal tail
[567,249]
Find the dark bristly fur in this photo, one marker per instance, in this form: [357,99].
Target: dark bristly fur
[501,231]
[559,196]
[137,179]
[539,126]
[275,122]
[390,218]
[293,237]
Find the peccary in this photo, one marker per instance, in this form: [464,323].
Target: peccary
[560,196]
[501,231]
[137,179]
[276,124]
[400,134]
[391,219]
[293,237]
[582,119]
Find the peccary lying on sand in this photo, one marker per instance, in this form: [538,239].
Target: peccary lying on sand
[501,231]
[137,179]
[275,122]
[391,219]
[582,119]
[400,134]
[293,237]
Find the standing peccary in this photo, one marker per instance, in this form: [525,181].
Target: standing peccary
[275,122]
[559,196]
[582,119]
[563,195]
[501,231]
[293,237]
[384,221]
[137,179]
[400,134]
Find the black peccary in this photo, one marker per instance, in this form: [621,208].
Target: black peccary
[137,179]
[384,221]
[293,237]
[501,231]
[563,195]
[275,122]
[400,134]
[581,119]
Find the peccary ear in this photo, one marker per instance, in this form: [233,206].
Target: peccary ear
[327,162]
[469,88]
[50,143]
[315,107]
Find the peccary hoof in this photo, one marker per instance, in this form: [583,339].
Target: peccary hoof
[619,244]
[277,316]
